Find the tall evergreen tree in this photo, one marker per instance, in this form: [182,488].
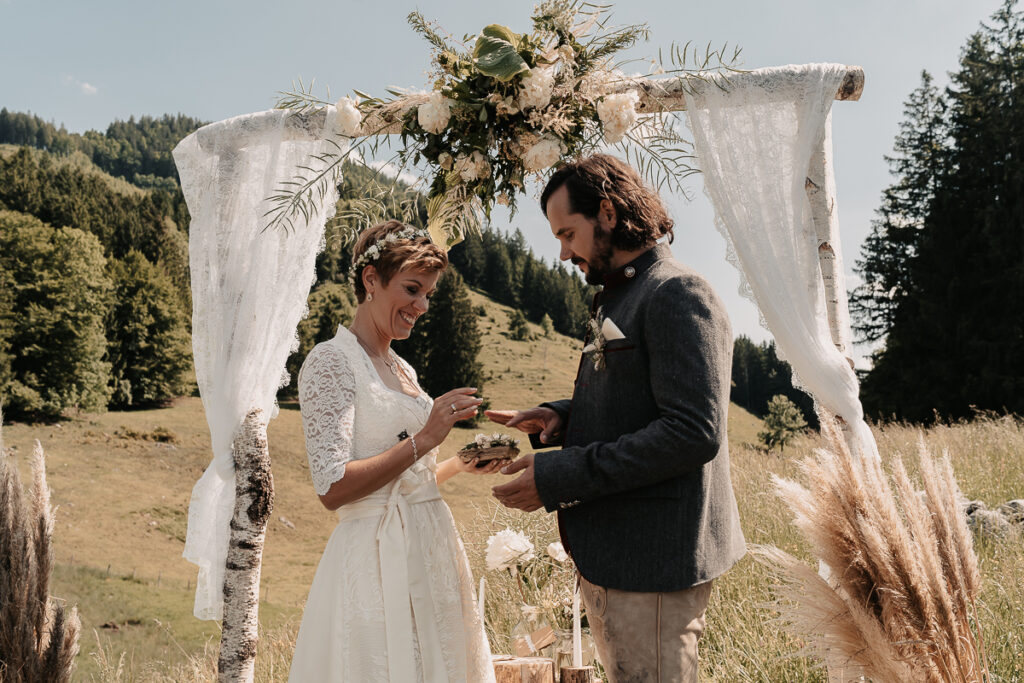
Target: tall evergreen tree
[148,346]
[958,341]
[918,161]
[61,297]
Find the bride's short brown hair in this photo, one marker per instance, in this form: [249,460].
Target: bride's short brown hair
[418,253]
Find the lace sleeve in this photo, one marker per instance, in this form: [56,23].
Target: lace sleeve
[327,401]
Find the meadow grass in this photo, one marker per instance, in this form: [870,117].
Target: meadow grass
[122,486]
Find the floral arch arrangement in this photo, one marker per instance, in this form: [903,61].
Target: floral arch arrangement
[505,107]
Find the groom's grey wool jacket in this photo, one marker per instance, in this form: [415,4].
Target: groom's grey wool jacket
[641,481]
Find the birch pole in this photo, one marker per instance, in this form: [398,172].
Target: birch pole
[254,500]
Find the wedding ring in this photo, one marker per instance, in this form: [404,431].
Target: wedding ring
[453,409]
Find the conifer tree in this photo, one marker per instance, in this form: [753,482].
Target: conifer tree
[782,422]
[148,346]
[957,339]
[61,295]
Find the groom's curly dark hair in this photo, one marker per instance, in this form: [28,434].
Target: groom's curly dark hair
[642,217]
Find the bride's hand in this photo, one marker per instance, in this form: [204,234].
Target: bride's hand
[455,406]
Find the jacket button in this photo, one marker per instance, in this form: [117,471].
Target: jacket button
[630,271]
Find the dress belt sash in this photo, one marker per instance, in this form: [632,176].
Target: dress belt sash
[404,583]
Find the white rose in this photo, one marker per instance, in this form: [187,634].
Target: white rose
[472,167]
[618,114]
[433,115]
[482,440]
[557,552]
[542,154]
[445,161]
[507,549]
[535,88]
[348,118]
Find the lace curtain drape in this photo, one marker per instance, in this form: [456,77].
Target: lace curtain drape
[755,138]
[249,289]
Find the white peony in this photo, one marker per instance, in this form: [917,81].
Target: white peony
[618,114]
[543,154]
[473,166]
[433,115]
[348,118]
[507,549]
[535,89]
[557,552]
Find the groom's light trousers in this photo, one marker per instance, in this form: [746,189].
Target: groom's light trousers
[648,637]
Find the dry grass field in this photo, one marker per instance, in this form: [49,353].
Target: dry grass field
[122,483]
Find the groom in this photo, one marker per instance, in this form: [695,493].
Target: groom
[641,476]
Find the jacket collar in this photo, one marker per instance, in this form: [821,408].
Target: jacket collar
[632,270]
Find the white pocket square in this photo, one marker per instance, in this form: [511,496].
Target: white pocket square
[610,331]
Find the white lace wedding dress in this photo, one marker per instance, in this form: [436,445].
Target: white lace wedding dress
[392,599]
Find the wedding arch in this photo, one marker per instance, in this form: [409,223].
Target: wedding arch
[762,140]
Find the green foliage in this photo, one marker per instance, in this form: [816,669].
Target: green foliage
[137,150]
[892,245]
[445,344]
[61,193]
[330,305]
[148,345]
[954,337]
[55,332]
[547,325]
[504,267]
[758,374]
[518,328]
[781,424]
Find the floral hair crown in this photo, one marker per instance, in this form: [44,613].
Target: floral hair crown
[377,248]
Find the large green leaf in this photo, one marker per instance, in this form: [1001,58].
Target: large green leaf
[495,53]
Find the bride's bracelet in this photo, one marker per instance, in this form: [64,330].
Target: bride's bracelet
[415,452]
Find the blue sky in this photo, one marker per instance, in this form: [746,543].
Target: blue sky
[87,63]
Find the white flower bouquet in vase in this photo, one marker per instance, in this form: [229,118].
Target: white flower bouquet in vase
[542,623]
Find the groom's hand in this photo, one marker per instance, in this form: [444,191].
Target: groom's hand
[521,492]
[532,420]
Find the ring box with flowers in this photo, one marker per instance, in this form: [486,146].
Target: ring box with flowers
[485,448]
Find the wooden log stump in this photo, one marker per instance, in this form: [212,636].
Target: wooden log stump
[509,669]
[578,674]
[254,500]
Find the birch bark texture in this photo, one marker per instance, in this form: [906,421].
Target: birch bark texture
[254,501]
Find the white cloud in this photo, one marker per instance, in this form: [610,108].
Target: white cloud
[81,86]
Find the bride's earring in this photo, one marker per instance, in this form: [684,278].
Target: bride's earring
[369,297]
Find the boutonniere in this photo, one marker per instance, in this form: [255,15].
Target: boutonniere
[601,331]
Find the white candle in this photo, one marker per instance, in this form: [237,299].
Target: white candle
[577,642]
[480,601]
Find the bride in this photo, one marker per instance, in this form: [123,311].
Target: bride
[392,599]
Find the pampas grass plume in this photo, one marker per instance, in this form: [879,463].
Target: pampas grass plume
[899,602]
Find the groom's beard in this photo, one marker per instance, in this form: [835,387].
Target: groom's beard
[600,262]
